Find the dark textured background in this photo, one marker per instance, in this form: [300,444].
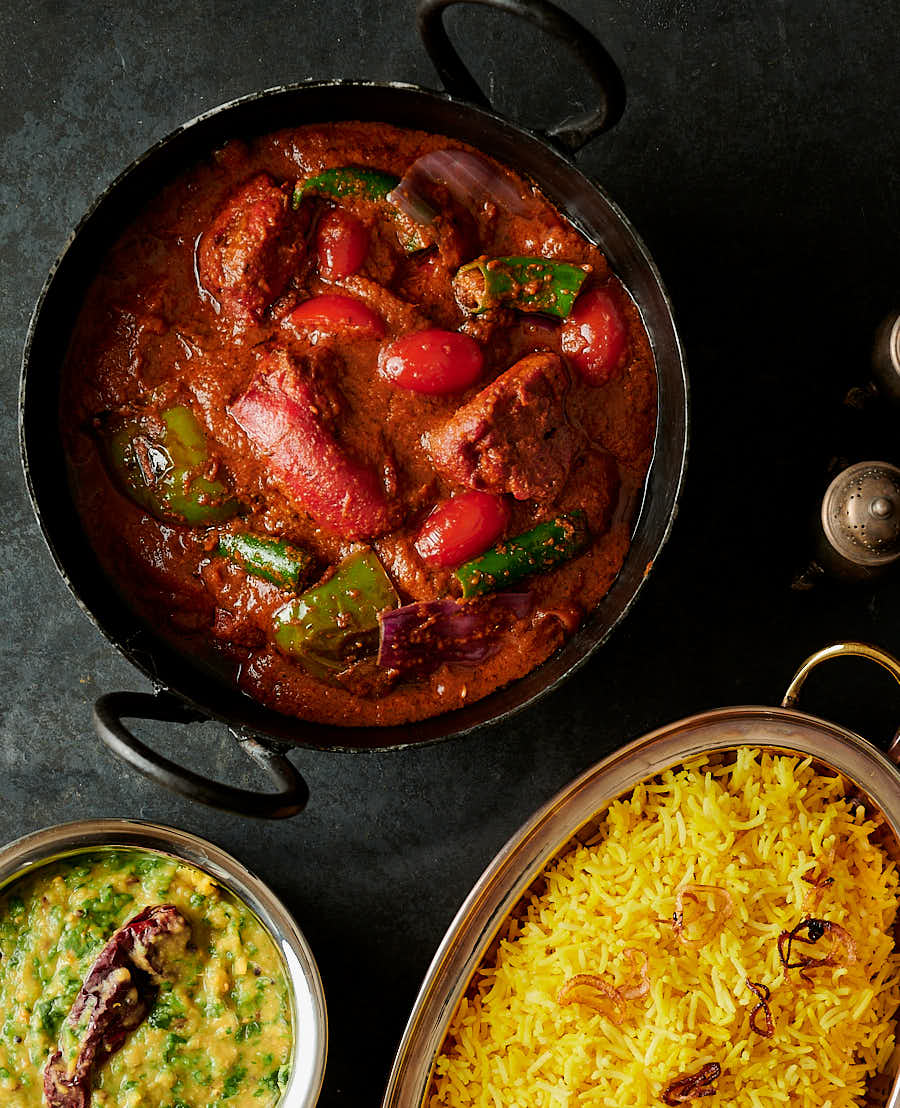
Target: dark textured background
[758,156]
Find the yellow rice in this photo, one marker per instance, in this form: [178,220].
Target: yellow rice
[755,827]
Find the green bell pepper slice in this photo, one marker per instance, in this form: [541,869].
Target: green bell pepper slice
[346,180]
[536,551]
[332,625]
[359,183]
[161,471]
[526,283]
[272,559]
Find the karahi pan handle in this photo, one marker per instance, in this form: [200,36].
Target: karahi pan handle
[572,133]
[842,650]
[110,712]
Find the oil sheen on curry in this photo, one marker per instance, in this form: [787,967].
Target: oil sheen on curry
[130,980]
[356,410]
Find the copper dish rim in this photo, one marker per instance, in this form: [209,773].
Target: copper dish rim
[554,826]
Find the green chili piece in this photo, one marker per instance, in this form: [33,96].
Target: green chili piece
[332,625]
[413,236]
[529,284]
[346,180]
[542,548]
[365,184]
[162,471]
[272,559]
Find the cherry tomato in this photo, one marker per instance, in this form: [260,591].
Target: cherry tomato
[341,244]
[334,314]
[432,361]
[593,336]
[462,527]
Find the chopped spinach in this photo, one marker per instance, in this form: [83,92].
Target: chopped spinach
[247,1031]
[167,1009]
[170,1050]
[233,1081]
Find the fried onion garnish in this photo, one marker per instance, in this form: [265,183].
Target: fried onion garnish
[819,885]
[633,992]
[593,991]
[691,1085]
[596,992]
[842,952]
[722,911]
[763,993]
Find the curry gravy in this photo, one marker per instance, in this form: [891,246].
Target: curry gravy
[219,1031]
[149,333]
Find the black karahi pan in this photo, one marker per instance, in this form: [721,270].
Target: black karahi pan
[189,689]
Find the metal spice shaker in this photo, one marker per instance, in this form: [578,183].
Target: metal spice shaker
[859,524]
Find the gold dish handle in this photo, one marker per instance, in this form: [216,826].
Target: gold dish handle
[839,650]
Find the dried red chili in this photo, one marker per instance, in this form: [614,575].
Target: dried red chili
[116,997]
[815,929]
[763,993]
[691,1085]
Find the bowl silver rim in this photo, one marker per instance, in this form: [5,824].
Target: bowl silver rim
[310,1023]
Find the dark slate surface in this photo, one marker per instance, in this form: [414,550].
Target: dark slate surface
[758,158]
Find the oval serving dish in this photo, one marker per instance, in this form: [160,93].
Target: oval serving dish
[571,817]
[24,857]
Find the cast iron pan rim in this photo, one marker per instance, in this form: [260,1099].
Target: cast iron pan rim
[676,485]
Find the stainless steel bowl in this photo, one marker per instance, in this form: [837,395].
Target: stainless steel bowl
[308,1015]
[554,827]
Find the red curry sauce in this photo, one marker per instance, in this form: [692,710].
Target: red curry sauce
[209,303]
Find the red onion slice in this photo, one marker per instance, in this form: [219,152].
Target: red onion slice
[469,178]
[405,198]
[420,636]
